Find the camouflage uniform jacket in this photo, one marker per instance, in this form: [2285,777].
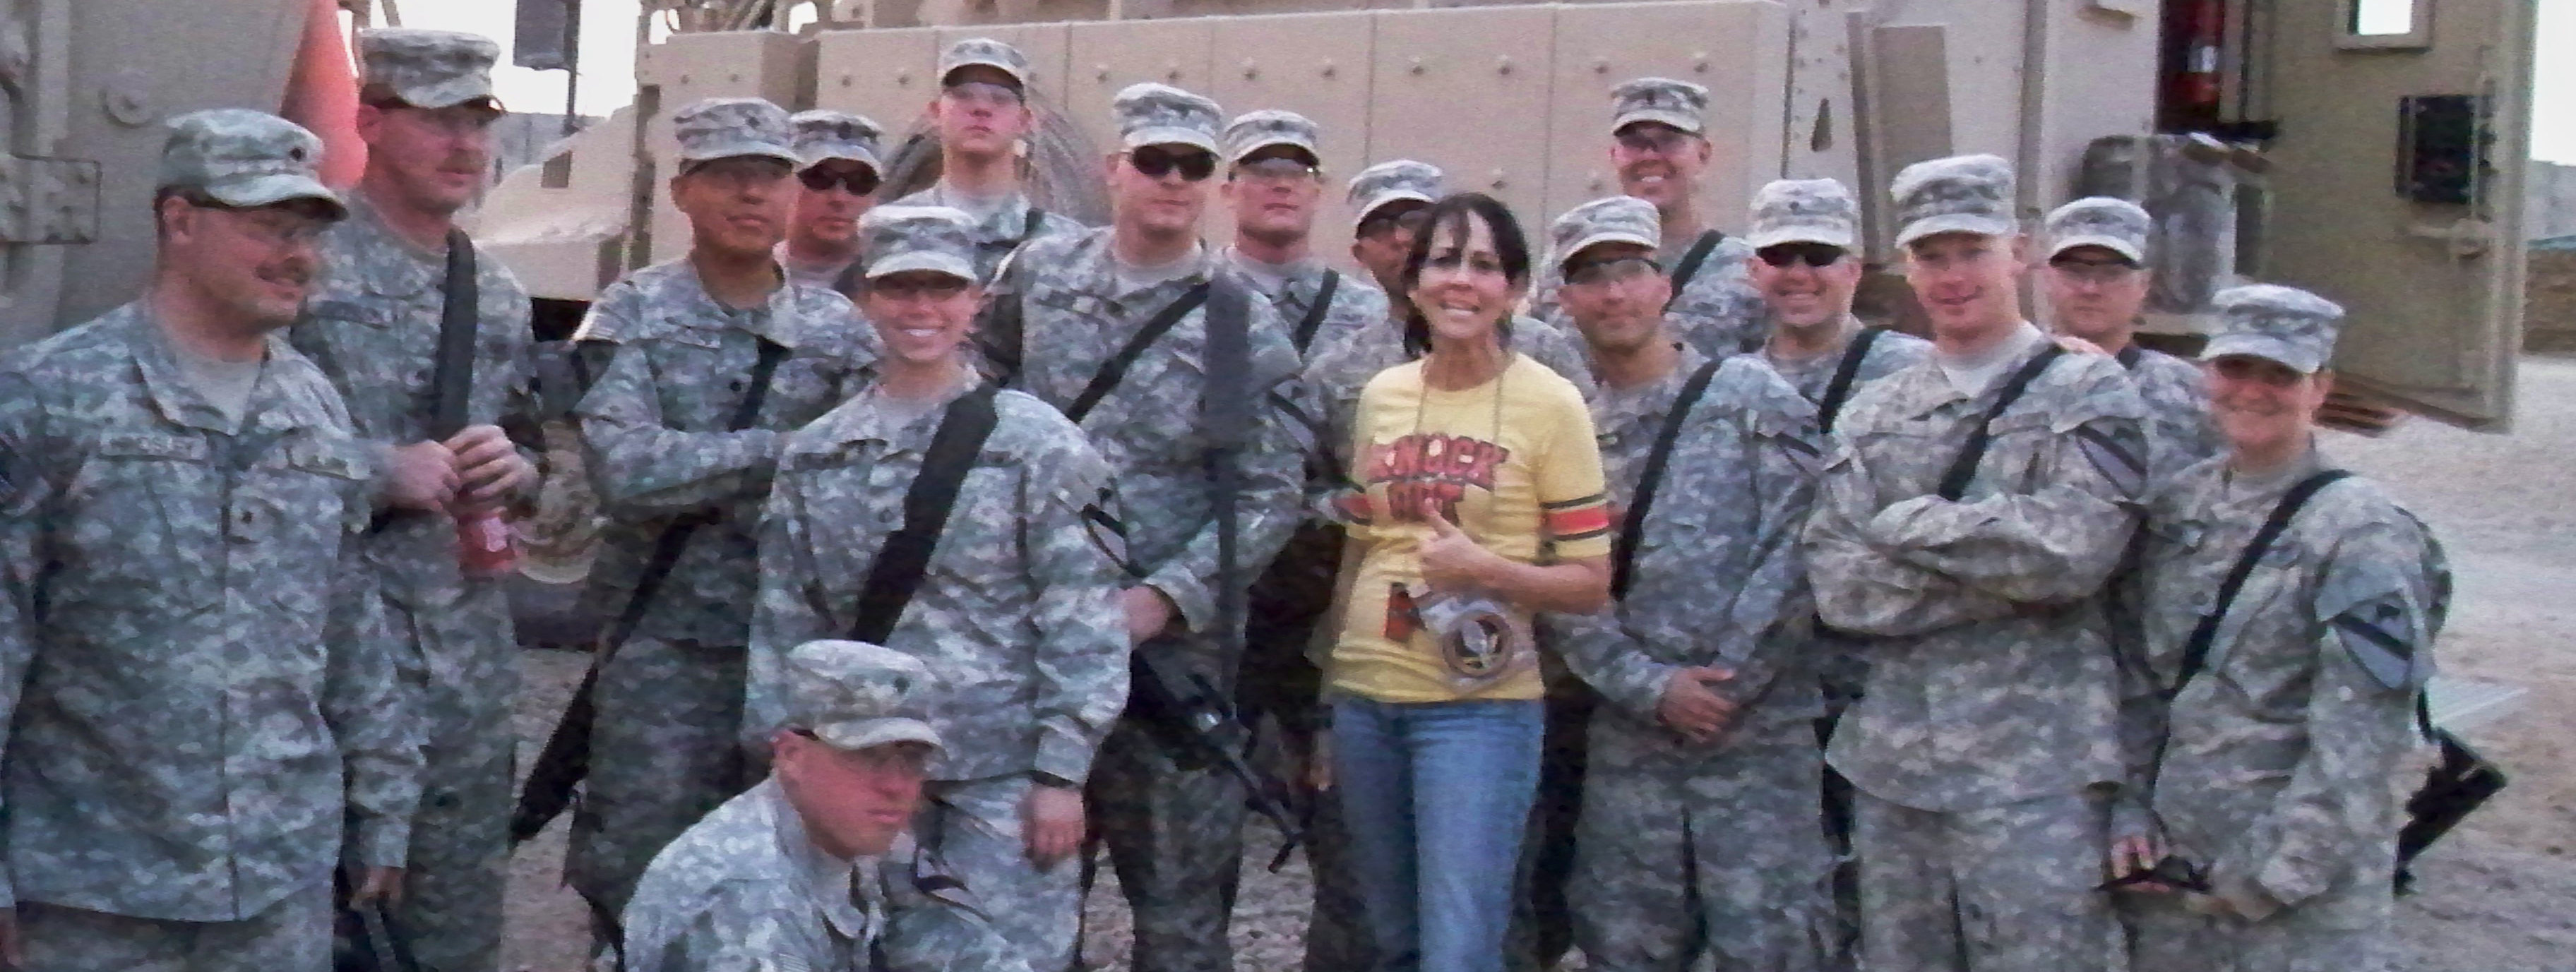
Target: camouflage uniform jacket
[1149,429]
[1718,311]
[1019,612]
[654,423]
[1357,305]
[1890,352]
[1716,574]
[745,891]
[1338,371]
[1991,681]
[372,326]
[2276,771]
[2179,429]
[1002,230]
[200,679]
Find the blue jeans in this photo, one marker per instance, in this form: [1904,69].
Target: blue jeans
[1436,797]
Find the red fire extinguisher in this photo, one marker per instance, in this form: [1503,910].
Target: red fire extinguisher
[2202,24]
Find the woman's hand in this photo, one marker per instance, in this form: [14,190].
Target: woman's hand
[1452,560]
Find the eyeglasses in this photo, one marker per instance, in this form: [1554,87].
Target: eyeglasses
[1610,271]
[1154,162]
[1277,168]
[936,286]
[2093,271]
[856,183]
[1644,138]
[1786,255]
[274,226]
[983,93]
[1410,220]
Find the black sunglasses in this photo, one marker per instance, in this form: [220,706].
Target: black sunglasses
[819,179]
[1812,254]
[908,287]
[1196,165]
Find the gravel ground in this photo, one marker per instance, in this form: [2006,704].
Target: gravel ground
[2499,896]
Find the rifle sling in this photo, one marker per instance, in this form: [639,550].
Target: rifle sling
[1692,260]
[2195,652]
[1846,375]
[1314,319]
[896,573]
[1225,405]
[1623,547]
[1114,370]
[459,313]
[1963,470]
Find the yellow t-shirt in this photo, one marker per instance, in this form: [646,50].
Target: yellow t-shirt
[1514,463]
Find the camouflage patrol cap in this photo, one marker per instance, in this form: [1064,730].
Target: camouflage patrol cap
[430,68]
[898,239]
[986,52]
[1159,114]
[2284,324]
[1804,211]
[822,136]
[245,158]
[724,128]
[2117,225]
[1253,131]
[853,695]
[1960,194]
[1402,180]
[1617,219]
[1681,104]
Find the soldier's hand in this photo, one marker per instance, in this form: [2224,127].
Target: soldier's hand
[1148,612]
[2133,854]
[489,469]
[1689,707]
[1051,822]
[420,476]
[1451,560]
[382,885]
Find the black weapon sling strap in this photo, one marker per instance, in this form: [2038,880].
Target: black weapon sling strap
[2195,652]
[1114,370]
[1692,260]
[451,383]
[1225,405]
[1846,376]
[896,573]
[1623,547]
[1963,470]
[999,326]
[1314,319]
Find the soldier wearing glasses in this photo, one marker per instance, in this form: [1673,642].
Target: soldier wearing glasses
[983,119]
[1173,824]
[838,176]
[198,680]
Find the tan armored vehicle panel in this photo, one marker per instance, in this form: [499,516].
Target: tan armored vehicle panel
[2301,102]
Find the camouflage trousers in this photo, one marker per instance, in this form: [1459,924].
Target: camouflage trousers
[294,933]
[1683,858]
[2345,931]
[665,750]
[1174,829]
[974,826]
[1995,889]
[450,914]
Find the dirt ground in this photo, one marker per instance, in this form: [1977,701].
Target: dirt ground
[2498,896]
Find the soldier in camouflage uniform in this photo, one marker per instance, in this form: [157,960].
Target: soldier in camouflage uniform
[838,176]
[199,682]
[684,343]
[982,116]
[807,870]
[1659,148]
[426,110]
[2096,280]
[1019,610]
[1173,824]
[1698,834]
[1806,243]
[2278,755]
[1275,184]
[1983,743]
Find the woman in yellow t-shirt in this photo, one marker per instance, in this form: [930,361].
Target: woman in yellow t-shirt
[1470,462]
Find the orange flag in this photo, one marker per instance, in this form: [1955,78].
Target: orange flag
[322,95]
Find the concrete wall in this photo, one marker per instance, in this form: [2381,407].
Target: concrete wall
[2549,201]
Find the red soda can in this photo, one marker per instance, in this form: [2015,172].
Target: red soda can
[486,547]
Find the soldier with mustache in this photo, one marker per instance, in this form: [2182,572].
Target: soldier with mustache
[837,182]
[426,111]
[705,364]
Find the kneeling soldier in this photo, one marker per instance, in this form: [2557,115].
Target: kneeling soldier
[196,669]
[1698,830]
[1013,596]
[794,873]
[2290,704]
